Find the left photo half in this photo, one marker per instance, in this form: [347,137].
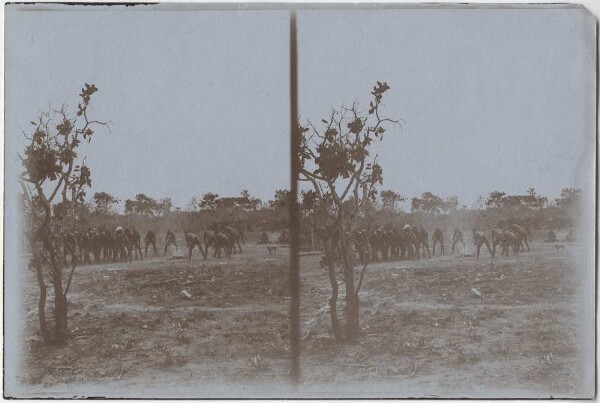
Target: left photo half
[147,195]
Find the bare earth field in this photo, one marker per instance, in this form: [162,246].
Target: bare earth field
[446,326]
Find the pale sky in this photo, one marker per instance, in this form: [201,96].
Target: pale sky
[198,100]
[492,99]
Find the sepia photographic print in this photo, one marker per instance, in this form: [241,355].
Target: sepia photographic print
[299,201]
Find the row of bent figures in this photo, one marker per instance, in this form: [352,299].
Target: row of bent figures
[124,245]
[413,242]
[385,243]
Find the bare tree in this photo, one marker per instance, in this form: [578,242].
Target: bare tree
[336,161]
[54,172]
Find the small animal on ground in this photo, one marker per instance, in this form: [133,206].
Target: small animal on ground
[272,250]
[559,248]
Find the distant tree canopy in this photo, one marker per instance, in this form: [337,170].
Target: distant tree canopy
[164,206]
[389,198]
[494,200]
[430,203]
[104,201]
[281,199]
[498,199]
[569,197]
[212,201]
[242,202]
[148,206]
[451,203]
[208,201]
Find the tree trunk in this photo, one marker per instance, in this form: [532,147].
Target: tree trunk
[42,308]
[335,324]
[312,234]
[352,316]
[42,300]
[36,263]
[60,300]
[60,309]
[352,323]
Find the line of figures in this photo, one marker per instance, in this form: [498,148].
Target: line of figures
[409,242]
[124,245]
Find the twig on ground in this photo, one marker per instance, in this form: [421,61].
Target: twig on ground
[414,369]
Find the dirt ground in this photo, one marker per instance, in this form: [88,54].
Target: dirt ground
[445,326]
[452,326]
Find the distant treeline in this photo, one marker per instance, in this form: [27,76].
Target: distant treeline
[145,213]
[210,210]
[431,211]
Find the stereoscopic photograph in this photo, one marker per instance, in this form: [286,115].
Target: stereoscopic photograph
[299,201]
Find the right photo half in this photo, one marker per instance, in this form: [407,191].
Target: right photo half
[446,193]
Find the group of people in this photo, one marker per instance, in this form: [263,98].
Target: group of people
[223,241]
[512,236]
[392,242]
[102,245]
[123,245]
[407,242]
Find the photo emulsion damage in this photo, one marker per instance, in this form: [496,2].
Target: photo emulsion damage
[345,202]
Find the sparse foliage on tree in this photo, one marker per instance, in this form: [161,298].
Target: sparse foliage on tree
[569,198]
[280,200]
[212,201]
[479,204]
[430,203]
[498,199]
[389,199]
[208,201]
[494,200]
[164,206]
[336,161]
[193,205]
[104,201]
[148,206]
[247,202]
[451,203]
[143,205]
[55,173]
